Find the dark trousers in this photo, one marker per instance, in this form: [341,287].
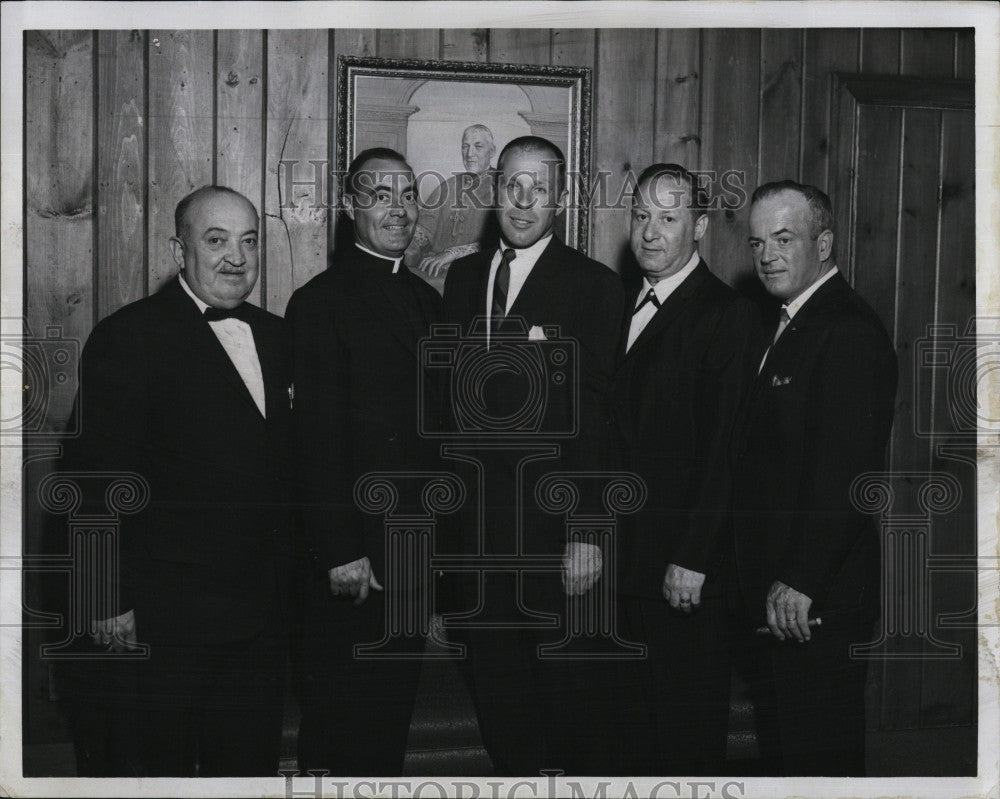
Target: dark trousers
[541,710]
[212,710]
[809,700]
[681,720]
[356,709]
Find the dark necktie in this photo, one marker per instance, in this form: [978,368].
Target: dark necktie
[501,283]
[218,314]
[650,297]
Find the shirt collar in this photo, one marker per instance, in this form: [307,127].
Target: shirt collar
[202,305]
[525,258]
[793,307]
[394,261]
[664,288]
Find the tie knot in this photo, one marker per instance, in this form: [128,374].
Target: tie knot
[218,314]
[507,255]
[784,318]
[650,297]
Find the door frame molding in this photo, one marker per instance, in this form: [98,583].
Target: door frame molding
[849,93]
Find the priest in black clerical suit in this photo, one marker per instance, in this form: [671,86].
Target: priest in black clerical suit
[356,328]
[189,389]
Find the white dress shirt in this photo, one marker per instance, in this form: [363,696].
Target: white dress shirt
[663,289]
[520,268]
[395,261]
[236,338]
[793,307]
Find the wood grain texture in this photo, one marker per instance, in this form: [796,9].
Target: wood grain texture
[409,43]
[780,104]
[465,44]
[121,165]
[181,103]
[623,135]
[353,42]
[949,692]
[678,97]
[730,106]
[928,52]
[239,134]
[59,213]
[880,51]
[298,119]
[826,51]
[573,47]
[520,46]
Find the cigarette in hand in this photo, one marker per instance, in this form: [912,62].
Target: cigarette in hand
[817,622]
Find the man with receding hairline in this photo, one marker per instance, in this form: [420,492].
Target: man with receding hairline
[817,416]
[681,370]
[189,388]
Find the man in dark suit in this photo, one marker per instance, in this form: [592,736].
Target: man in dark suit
[188,388]
[817,415]
[356,329]
[681,370]
[533,712]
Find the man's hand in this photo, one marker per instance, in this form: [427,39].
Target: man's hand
[787,612]
[434,265]
[682,587]
[118,634]
[582,564]
[353,579]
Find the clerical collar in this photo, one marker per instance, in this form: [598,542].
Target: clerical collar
[394,261]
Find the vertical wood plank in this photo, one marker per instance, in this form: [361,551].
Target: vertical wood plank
[965,53]
[460,44]
[573,47]
[298,119]
[520,46]
[949,695]
[678,101]
[121,164]
[623,137]
[731,67]
[876,209]
[347,42]
[408,43]
[239,88]
[827,50]
[928,52]
[880,51]
[780,104]
[59,193]
[181,104]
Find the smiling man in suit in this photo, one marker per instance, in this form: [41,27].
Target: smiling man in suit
[681,371]
[356,329]
[533,712]
[817,416]
[189,389]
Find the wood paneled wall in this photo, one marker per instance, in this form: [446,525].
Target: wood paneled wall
[121,124]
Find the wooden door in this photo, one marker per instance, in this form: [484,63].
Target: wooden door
[904,189]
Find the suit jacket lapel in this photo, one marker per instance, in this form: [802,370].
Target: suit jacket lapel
[275,390]
[538,287]
[205,341]
[667,313]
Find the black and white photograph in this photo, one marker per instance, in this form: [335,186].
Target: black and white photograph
[500,399]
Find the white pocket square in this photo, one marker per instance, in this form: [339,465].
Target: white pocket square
[780,381]
[536,334]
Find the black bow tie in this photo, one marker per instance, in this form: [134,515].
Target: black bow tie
[240,312]
[650,297]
